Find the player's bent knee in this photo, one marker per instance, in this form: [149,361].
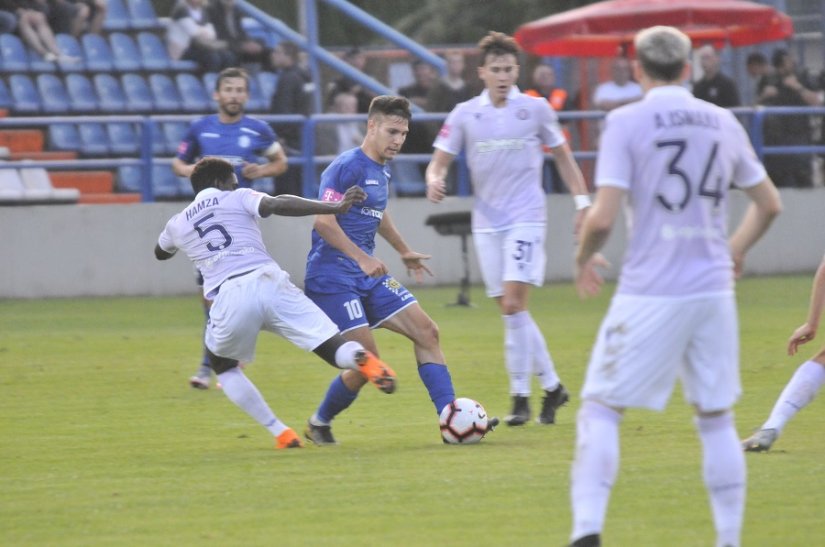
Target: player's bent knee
[327,349]
[220,364]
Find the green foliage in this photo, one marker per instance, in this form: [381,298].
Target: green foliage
[104,443]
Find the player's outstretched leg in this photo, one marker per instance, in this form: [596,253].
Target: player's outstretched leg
[376,371]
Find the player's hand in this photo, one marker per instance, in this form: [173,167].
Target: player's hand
[354,194]
[372,266]
[436,190]
[251,171]
[588,280]
[801,335]
[415,267]
[738,264]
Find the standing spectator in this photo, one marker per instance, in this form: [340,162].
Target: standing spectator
[190,35]
[758,69]
[250,291]
[502,132]
[805,382]
[417,92]
[240,140]
[786,87]
[420,139]
[714,87]
[226,18]
[290,97]
[34,30]
[355,58]
[673,314]
[619,90]
[338,137]
[452,88]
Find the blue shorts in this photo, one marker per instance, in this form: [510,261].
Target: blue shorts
[367,301]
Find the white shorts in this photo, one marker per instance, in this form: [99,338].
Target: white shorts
[516,254]
[263,300]
[645,343]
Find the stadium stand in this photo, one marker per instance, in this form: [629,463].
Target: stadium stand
[82,94]
[110,93]
[97,52]
[138,94]
[63,136]
[5,97]
[13,54]
[94,141]
[124,139]
[53,94]
[193,95]
[155,56]
[165,93]
[25,97]
[72,59]
[117,17]
[125,52]
[36,180]
[142,15]
[38,64]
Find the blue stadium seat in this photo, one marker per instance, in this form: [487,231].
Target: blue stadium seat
[53,94]
[153,52]
[110,93]
[5,97]
[93,139]
[138,94]
[82,95]
[193,96]
[117,17]
[268,82]
[129,178]
[25,97]
[63,137]
[125,52]
[97,53]
[69,45]
[13,54]
[256,102]
[38,64]
[173,133]
[165,184]
[124,139]
[142,14]
[165,93]
[256,30]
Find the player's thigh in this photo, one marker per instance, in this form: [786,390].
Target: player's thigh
[343,307]
[710,374]
[234,322]
[385,298]
[489,250]
[413,322]
[638,352]
[524,256]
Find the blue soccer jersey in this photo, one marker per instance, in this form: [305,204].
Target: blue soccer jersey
[238,143]
[360,224]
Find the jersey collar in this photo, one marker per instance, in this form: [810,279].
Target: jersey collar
[205,192]
[485,96]
[668,91]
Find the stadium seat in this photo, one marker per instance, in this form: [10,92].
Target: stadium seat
[125,52]
[165,184]
[82,95]
[165,93]
[193,96]
[70,47]
[93,139]
[6,100]
[142,14]
[37,183]
[63,137]
[13,54]
[173,133]
[124,139]
[38,64]
[138,94]
[256,30]
[53,94]
[256,102]
[117,16]
[153,52]
[268,81]
[129,178]
[97,53]
[25,97]
[11,187]
[110,93]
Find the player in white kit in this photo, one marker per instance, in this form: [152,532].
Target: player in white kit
[502,132]
[219,233]
[672,158]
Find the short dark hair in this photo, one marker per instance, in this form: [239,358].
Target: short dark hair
[496,44]
[779,56]
[756,58]
[209,172]
[231,72]
[390,105]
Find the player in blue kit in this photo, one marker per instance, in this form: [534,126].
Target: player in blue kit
[354,287]
[237,138]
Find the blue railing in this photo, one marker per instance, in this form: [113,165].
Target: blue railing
[752,118]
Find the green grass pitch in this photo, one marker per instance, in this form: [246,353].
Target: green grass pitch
[103,442]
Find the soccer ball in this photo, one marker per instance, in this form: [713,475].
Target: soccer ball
[464,421]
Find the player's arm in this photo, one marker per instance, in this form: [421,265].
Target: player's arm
[412,259]
[572,176]
[765,206]
[296,206]
[329,229]
[596,228]
[436,175]
[160,254]
[181,168]
[807,331]
[276,164]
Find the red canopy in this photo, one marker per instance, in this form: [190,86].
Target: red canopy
[604,28]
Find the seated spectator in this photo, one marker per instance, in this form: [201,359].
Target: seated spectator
[356,58]
[226,17]
[76,17]
[33,28]
[450,89]
[714,87]
[619,90]
[191,36]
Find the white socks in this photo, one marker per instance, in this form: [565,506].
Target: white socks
[801,390]
[243,393]
[595,466]
[724,472]
[345,354]
[525,351]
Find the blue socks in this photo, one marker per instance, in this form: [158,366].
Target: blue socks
[337,399]
[439,384]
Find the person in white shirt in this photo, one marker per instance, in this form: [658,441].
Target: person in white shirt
[503,132]
[672,158]
[219,233]
[619,90]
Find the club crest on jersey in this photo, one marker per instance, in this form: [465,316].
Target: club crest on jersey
[522,114]
[244,141]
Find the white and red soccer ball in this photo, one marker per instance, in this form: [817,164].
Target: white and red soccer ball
[464,421]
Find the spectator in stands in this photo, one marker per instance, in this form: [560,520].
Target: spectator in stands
[242,140]
[714,86]
[191,36]
[33,28]
[758,69]
[226,18]
[8,22]
[418,91]
[619,90]
[356,58]
[450,89]
[787,87]
[421,135]
[77,17]
[337,138]
[290,97]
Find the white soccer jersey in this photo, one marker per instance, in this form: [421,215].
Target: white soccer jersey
[677,171]
[219,233]
[505,156]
